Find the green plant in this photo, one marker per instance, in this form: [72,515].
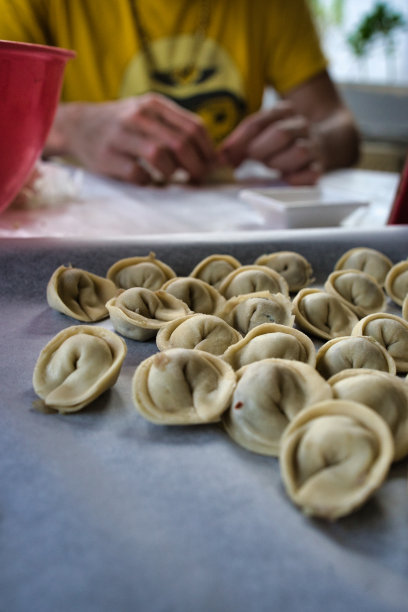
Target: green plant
[381,23]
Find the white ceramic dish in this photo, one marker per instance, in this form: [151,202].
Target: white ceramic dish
[290,207]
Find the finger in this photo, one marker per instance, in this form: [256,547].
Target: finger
[179,118]
[180,145]
[234,149]
[278,137]
[299,154]
[140,145]
[124,168]
[307,176]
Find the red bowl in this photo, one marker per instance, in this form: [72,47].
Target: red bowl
[30,85]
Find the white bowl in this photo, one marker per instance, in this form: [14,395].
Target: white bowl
[289,207]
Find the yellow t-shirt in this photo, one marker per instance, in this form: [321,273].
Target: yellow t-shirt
[211,56]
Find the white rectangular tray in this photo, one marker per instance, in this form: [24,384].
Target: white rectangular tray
[291,207]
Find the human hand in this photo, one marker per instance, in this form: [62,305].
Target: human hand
[141,140]
[281,139]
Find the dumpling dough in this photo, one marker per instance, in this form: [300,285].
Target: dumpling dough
[215,268]
[271,340]
[77,366]
[252,279]
[244,312]
[294,268]
[197,294]
[391,332]
[138,313]
[334,456]
[322,314]
[405,308]
[396,282]
[268,395]
[80,294]
[205,332]
[361,291]
[384,393]
[367,260]
[353,352]
[147,272]
[183,387]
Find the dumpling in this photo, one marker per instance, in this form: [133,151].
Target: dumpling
[384,393]
[322,314]
[396,282]
[391,332]
[197,294]
[334,456]
[361,291]
[215,268]
[294,268]
[244,312]
[353,352]
[252,279]
[201,331]
[269,393]
[183,387]
[147,272]
[138,313]
[80,294]
[76,366]
[405,308]
[367,260]
[271,340]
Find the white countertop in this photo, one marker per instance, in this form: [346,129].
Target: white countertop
[94,207]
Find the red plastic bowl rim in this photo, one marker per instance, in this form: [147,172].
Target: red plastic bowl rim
[11,45]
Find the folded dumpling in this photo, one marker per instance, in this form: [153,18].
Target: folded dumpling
[215,268]
[353,352]
[323,314]
[367,260]
[252,279]
[138,312]
[269,393]
[197,294]
[183,387]
[146,272]
[244,312]
[76,366]
[405,308]
[334,456]
[385,393]
[361,291]
[295,269]
[390,331]
[80,294]
[396,282]
[201,331]
[271,340]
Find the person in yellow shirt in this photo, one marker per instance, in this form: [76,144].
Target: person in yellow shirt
[160,86]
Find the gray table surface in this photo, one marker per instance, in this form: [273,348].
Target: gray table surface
[101,510]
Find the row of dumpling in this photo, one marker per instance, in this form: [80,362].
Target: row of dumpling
[188,312]
[335,439]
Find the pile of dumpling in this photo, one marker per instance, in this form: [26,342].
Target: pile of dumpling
[237,344]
